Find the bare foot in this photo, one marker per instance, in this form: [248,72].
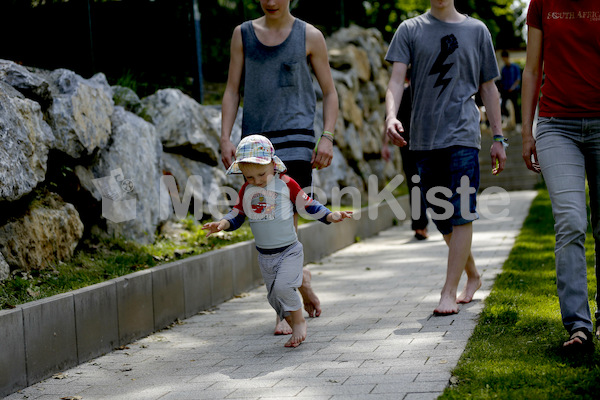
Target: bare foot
[471,287]
[282,327]
[312,305]
[447,306]
[298,334]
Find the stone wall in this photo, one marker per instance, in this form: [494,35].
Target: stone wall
[79,157]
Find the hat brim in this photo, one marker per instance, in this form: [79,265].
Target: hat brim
[235,168]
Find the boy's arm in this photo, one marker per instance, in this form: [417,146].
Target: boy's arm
[393,98]
[231,96]
[235,218]
[491,101]
[318,209]
[310,206]
[319,60]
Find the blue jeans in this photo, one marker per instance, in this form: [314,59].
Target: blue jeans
[444,168]
[567,149]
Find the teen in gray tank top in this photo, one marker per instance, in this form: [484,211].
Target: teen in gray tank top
[279,99]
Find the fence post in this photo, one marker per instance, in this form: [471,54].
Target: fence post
[198,80]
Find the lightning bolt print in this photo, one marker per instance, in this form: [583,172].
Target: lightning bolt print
[448,45]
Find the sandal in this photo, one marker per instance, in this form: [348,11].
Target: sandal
[585,343]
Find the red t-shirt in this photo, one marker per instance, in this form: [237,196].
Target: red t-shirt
[571,54]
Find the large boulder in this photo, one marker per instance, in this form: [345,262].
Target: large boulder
[47,233]
[369,40]
[385,170]
[353,148]
[126,98]
[371,135]
[370,101]
[205,183]
[351,57]
[80,112]
[349,107]
[184,126]
[348,78]
[339,175]
[32,85]
[25,140]
[125,177]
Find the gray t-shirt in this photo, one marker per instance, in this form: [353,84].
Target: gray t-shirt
[449,63]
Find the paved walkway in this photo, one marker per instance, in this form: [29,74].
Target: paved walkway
[376,338]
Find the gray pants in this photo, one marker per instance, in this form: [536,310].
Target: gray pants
[282,273]
[568,150]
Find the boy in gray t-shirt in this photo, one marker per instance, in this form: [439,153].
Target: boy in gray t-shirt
[449,63]
[452,58]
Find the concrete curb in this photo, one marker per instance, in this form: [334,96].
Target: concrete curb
[47,336]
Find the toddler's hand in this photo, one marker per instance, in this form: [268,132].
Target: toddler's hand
[338,216]
[215,227]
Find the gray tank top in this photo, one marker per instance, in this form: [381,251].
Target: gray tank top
[279,99]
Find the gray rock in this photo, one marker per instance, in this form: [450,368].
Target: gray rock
[184,126]
[126,98]
[354,149]
[348,78]
[47,233]
[203,182]
[80,112]
[364,170]
[10,91]
[370,40]
[350,57]
[371,135]
[384,171]
[4,268]
[339,175]
[32,85]
[25,140]
[371,100]
[349,107]
[126,177]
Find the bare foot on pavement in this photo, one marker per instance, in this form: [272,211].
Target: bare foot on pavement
[468,292]
[298,334]
[447,306]
[282,327]
[312,305]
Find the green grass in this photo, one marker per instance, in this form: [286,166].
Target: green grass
[99,260]
[514,352]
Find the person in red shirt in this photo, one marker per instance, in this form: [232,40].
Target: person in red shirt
[564,47]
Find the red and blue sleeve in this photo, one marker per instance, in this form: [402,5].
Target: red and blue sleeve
[236,216]
[303,201]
